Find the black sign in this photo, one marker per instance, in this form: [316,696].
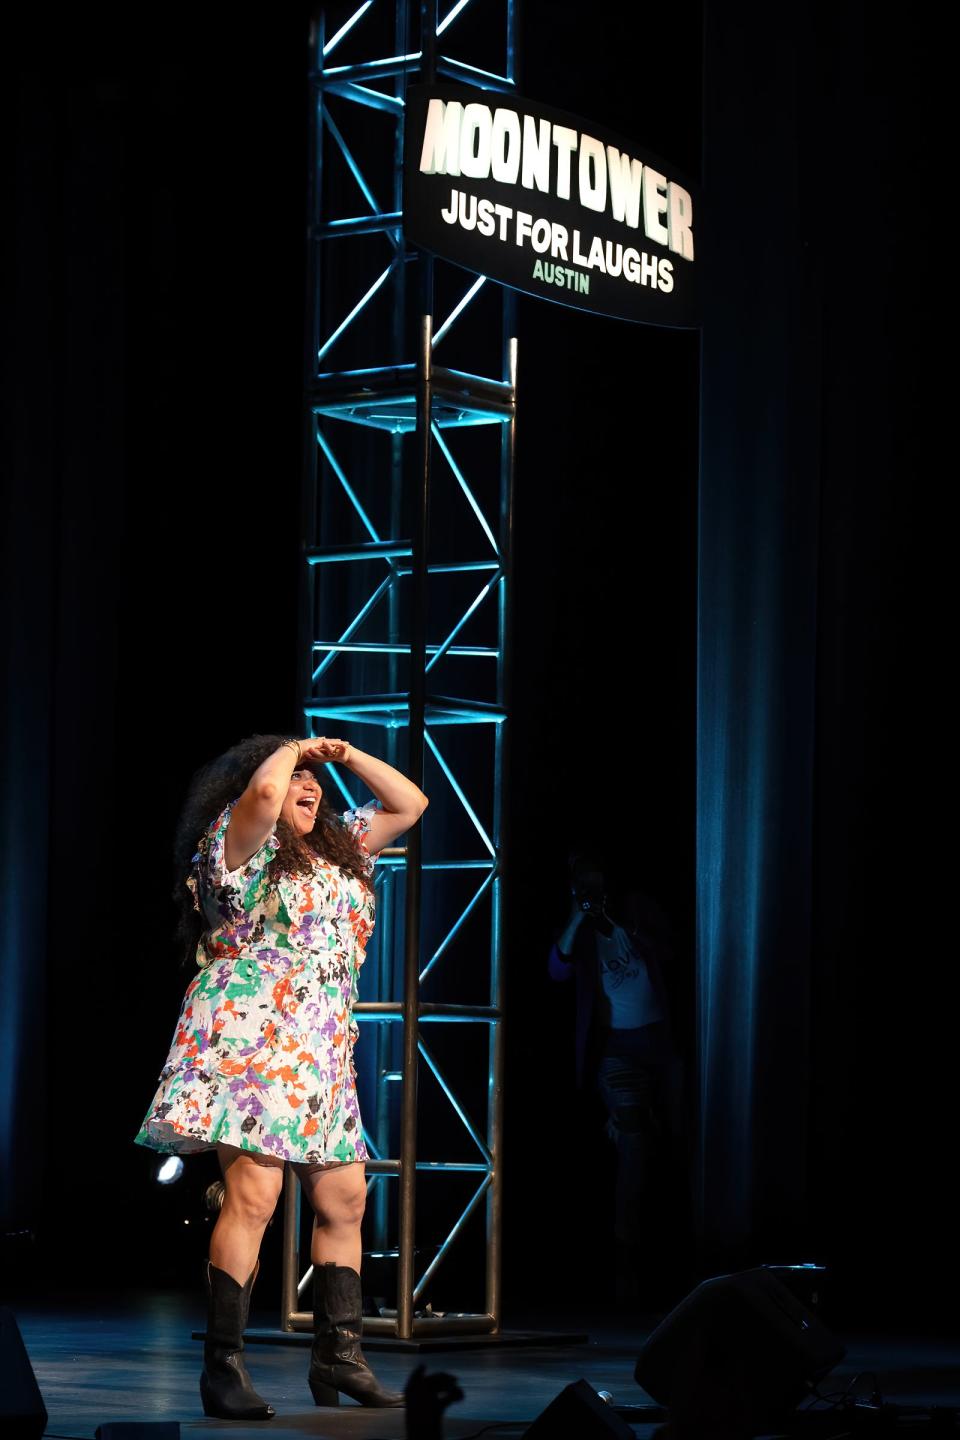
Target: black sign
[549,204]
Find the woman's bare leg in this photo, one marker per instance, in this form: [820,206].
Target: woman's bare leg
[252,1186]
[338,1197]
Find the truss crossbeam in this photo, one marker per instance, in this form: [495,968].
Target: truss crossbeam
[357,225]
[367,70]
[393,711]
[363,95]
[387,399]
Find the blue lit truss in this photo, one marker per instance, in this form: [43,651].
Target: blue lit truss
[405,604]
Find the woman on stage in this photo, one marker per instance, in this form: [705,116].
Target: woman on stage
[278,908]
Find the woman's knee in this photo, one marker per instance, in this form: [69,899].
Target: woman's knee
[251,1192]
[632,1127]
[349,1211]
[253,1209]
[339,1197]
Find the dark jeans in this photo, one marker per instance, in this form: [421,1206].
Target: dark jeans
[631,1087]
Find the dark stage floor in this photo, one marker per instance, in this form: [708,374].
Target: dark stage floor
[103,1358]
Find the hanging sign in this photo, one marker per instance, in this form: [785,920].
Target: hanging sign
[549,204]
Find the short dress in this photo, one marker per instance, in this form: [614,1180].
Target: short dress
[262,1056]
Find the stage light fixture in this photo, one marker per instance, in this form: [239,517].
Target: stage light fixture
[169,1170]
[214,1194]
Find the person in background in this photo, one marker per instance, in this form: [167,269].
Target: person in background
[615,947]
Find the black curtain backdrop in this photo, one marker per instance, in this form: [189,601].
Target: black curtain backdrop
[729,684]
[758,556]
[822,1037]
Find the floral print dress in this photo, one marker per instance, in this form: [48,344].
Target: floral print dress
[262,1056]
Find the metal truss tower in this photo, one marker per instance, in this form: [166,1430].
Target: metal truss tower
[407,525]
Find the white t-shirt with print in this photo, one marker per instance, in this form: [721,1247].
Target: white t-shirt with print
[629,996]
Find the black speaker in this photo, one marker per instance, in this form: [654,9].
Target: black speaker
[737,1355]
[579,1412]
[23,1415]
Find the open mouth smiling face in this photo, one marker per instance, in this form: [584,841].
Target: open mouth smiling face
[302,801]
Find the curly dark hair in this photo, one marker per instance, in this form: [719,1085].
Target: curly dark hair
[224,779]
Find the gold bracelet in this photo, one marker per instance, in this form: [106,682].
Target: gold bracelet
[299,751]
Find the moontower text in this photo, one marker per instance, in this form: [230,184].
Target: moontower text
[476,142]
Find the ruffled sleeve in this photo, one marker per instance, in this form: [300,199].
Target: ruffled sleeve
[358,823]
[236,890]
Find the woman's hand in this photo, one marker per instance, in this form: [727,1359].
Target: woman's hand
[577,911]
[574,920]
[319,750]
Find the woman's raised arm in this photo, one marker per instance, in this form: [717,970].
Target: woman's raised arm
[257,810]
[403,802]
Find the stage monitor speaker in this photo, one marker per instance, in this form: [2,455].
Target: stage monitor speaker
[23,1415]
[578,1412]
[739,1353]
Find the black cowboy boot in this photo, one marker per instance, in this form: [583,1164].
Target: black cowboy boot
[336,1361]
[225,1387]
